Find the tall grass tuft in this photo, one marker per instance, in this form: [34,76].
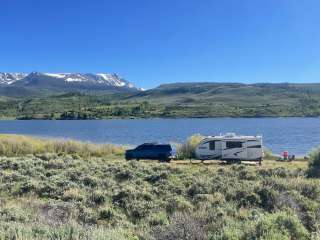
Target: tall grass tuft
[17,145]
[187,149]
[314,163]
[268,154]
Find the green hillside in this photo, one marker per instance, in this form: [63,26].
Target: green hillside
[172,100]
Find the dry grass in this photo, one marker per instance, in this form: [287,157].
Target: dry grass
[17,145]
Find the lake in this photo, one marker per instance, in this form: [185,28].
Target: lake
[296,135]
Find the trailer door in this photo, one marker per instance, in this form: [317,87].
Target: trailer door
[235,149]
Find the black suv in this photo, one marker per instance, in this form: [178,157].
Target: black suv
[161,152]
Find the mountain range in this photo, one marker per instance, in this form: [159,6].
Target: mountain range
[23,83]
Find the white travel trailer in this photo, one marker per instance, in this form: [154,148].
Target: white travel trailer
[230,147]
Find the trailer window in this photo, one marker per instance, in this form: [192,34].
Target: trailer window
[255,146]
[234,144]
[212,145]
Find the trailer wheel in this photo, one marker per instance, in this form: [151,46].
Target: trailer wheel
[233,161]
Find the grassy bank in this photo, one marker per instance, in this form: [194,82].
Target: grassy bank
[58,195]
[17,145]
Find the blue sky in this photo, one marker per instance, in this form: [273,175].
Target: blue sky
[153,42]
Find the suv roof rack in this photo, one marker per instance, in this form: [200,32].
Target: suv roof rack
[151,143]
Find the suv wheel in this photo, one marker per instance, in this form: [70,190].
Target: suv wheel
[163,158]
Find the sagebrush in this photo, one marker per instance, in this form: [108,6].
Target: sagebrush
[68,197]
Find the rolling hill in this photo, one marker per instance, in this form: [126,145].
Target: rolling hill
[169,100]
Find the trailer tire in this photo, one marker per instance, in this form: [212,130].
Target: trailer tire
[233,161]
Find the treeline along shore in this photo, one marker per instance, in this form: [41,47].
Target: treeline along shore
[60,189]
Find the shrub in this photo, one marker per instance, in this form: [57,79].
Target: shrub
[268,154]
[198,187]
[121,198]
[268,198]
[106,214]
[182,226]
[178,204]
[70,231]
[90,181]
[97,198]
[55,213]
[123,175]
[314,163]
[47,190]
[245,174]
[153,178]
[159,218]
[138,209]
[12,214]
[73,194]
[280,225]
[25,187]
[247,199]
[310,190]
[87,216]
[187,149]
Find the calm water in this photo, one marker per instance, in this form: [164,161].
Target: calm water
[297,135]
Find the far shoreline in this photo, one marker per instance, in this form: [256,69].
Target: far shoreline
[158,118]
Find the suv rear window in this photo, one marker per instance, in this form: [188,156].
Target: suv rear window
[163,147]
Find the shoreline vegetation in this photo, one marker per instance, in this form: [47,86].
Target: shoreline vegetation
[47,118]
[54,189]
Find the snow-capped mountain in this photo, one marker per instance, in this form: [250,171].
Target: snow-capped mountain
[100,78]
[67,81]
[9,78]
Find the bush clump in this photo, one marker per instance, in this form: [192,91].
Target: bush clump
[280,225]
[314,163]
[268,154]
[187,149]
[182,226]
